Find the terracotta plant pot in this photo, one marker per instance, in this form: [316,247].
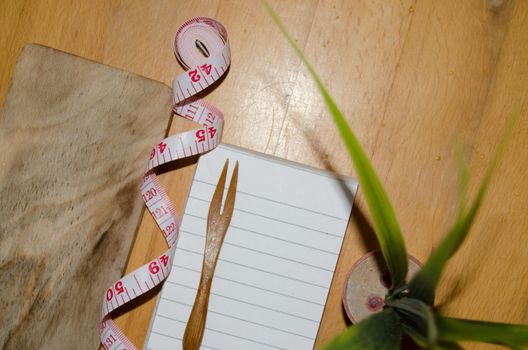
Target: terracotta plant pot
[367,283]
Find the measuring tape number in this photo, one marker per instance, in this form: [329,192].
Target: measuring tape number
[201,46]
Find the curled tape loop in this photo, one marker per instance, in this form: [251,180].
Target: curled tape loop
[207,36]
[202,48]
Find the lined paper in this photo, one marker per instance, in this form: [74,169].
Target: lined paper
[277,261]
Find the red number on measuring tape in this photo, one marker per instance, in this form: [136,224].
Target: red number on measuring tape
[200,134]
[119,287]
[169,229]
[210,118]
[212,132]
[206,68]
[164,260]
[109,294]
[194,75]
[152,154]
[149,195]
[109,341]
[161,147]
[154,268]
[160,212]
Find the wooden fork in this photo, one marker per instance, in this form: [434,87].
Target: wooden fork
[216,229]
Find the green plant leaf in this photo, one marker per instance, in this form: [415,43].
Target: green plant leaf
[463,179]
[381,331]
[454,329]
[417,320]
[424,283]
[386,226]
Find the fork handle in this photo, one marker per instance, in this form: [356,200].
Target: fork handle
[194,331]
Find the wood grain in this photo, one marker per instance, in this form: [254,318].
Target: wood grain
[75,135]
[411,76]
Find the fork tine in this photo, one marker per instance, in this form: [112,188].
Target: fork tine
[216,201]
[229,205]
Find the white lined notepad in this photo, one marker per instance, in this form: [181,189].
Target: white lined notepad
[277,261]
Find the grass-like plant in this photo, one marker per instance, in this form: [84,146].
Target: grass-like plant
[409,307]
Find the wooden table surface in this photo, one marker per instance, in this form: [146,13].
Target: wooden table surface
[411,77]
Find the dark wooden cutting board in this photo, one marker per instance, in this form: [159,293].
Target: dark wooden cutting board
[74,140]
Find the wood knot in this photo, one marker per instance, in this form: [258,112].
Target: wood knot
[496,3]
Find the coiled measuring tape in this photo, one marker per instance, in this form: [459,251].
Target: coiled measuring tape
[201,46]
